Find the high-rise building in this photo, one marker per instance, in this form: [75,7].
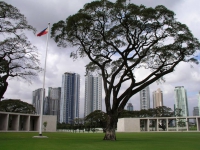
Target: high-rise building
[46,106]
[54,95]
[70,96]
[93,94]
[145,98]
[157,98]
[181,100]
[36,100]
[196,111]
[130,107]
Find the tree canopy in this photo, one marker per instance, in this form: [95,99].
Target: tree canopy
[18,57]
[120,38]
[96,118]
[17,106]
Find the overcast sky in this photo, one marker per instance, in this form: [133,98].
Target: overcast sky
[40,12]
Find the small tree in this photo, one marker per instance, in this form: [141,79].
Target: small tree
[96,118]
[120,38]
[18,57]
[178,112]
[45,125]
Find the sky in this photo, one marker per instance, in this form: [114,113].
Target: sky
[40,13]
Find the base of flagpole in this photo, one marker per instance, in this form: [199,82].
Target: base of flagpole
[40,136]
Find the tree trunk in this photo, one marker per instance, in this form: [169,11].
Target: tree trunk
[111,127]
[3,88]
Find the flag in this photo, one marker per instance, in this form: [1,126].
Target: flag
[43,32]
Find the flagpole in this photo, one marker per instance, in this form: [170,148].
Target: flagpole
[43,88]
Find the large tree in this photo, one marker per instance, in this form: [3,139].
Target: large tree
[18,57]
[120,38]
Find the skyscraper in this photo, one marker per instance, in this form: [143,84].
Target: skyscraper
[157,98]
[70,96]
[36,99]
[196,111]
[46,106]
[130,107]
[93,94]
[181,100]
[145,98]
[54,95]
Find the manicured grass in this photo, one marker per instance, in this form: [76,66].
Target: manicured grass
[93,141]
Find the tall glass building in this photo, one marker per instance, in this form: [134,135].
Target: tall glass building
[93,94]
[54,95]
[157,98]
[36,100]
[196,111]
[70,96]
[181,101]
[145,98]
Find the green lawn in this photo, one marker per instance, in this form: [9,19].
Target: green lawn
[93,141]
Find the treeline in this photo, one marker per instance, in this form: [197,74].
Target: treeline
[98,118]
[161,111]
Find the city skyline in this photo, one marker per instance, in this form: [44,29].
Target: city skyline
[93,96]
[180,94]
[59,60]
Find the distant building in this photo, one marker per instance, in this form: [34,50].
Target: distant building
[196,111]
[46,106]
[130,107]
[181,101]
[70,96]
[93,94]
[36,100]
[145,98]
[54,95]
[157,98]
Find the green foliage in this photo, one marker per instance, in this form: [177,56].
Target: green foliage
[45,125]
[63,126]
[17,106]
[70,127]
[96,119]
[181,123]
[178,112]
